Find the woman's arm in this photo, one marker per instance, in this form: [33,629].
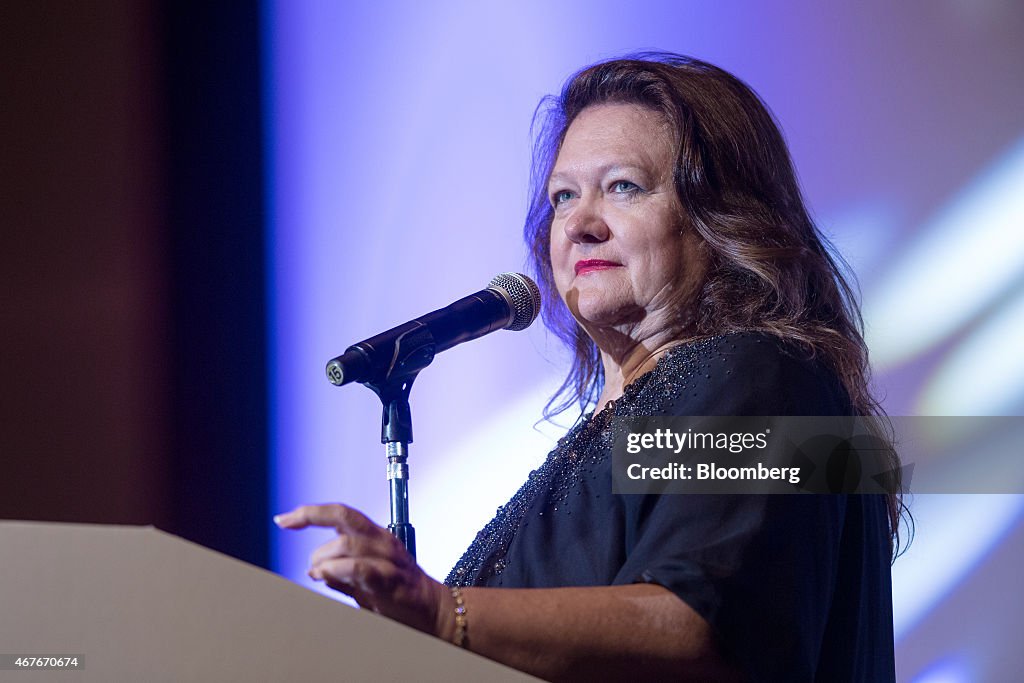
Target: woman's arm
[598,633]
[609,633]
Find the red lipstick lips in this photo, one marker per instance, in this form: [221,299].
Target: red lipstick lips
[590,265]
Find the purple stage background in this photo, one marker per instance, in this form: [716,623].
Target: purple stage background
[399,148]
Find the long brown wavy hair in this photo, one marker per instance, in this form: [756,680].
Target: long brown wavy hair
[769,267]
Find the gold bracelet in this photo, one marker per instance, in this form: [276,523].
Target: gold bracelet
[459,639]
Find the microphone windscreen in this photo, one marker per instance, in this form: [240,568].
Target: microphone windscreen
[523,298]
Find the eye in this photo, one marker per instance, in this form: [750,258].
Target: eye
[624,187]
[560,197]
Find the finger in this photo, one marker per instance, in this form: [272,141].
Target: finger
[408,596]
[367,580]
[340,517]
[349,545]
[307,515]
[333,575]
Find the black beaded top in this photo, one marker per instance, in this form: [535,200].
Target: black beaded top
[796,587]
[577,455]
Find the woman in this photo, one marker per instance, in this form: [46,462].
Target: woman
[680,265]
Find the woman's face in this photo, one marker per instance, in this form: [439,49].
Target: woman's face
[622,254]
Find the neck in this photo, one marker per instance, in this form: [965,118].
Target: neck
[628,360]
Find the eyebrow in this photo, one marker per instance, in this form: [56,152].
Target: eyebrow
[600,171]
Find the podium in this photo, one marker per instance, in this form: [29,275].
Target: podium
[139,604]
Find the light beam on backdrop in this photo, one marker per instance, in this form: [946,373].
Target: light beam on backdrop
[961,262]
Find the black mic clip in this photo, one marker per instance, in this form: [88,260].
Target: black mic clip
[399,359]
[390,358]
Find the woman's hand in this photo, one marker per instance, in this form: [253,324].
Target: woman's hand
[644,630]
[368,563]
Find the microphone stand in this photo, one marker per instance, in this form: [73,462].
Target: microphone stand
[396,435]
[412,351]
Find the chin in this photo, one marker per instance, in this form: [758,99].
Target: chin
[601,312]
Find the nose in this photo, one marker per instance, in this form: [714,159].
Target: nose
[586,225]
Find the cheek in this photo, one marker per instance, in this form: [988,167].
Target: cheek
[663,261]
[556,238]
[558,253]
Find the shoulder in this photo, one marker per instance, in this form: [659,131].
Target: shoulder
[751,373]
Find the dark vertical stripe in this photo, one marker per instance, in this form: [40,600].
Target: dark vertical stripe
[216,248]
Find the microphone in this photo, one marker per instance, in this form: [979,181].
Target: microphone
[511,301]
